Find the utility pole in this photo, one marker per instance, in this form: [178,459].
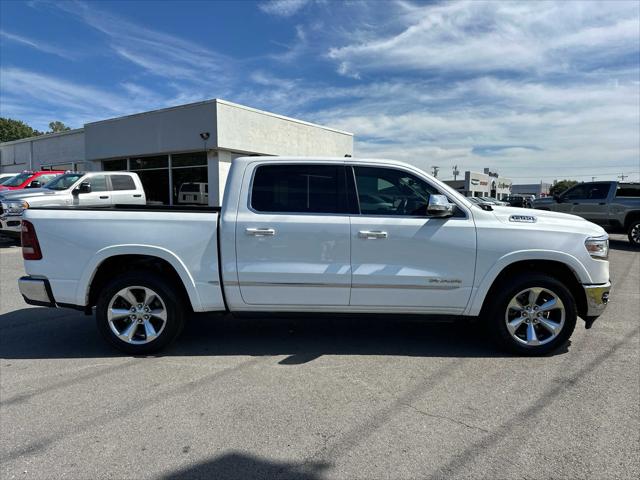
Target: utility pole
[434,170]
[456,172]
[622,177]
[593,179]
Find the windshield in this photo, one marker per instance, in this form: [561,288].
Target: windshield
[63,181]
[5,180]
[17,180]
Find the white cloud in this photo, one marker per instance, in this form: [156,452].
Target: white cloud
[475,36]
[37,44]
[283,8]
[159,53]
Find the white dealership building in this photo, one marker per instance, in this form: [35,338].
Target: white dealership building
[178,148]
[487,184]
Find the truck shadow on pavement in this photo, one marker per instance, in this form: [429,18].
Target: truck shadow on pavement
[622,245]
[61,333]
[240,466]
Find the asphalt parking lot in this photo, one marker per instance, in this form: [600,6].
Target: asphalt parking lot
[317,399]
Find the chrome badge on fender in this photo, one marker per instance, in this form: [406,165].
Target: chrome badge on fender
[523,218]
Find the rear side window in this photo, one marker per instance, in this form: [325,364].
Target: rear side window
[122,182]
[628,190]
[299,189]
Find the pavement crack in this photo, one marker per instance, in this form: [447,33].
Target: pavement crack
[444,417]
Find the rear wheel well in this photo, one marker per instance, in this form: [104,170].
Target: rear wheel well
[119,264]
[557,270]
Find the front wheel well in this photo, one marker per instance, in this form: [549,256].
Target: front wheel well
[557,270]
[119,264]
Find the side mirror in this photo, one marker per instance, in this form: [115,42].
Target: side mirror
[440,207]
[35,184]
[557,197]
[84,187]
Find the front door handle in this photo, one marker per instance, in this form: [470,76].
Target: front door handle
[261,232]
[103,197]
[372,234]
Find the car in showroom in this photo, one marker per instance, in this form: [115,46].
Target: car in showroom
[318,236]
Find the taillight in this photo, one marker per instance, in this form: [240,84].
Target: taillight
[30,245]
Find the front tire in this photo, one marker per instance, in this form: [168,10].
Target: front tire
[634,233]
[531,314]
[139,313]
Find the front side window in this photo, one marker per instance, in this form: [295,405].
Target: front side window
[44,179]
[98,183]
[387,191]
[299,189]
[588,191]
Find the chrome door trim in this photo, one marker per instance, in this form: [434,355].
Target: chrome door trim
[338,285]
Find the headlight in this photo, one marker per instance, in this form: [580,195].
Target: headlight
[598,247]
[14,208]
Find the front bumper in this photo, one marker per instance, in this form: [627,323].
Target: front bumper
[10,225]
[36,291]
[597,300]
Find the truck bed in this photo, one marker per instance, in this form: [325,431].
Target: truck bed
[75,240]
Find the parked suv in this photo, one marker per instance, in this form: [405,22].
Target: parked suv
[614,206]
[29,179]
[95,189]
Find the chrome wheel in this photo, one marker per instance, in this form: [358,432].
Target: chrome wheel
[634,234]
[137,315]
[535,316]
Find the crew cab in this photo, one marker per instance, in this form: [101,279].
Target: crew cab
[95,189]
[613,205]
[320,235]
[29,179]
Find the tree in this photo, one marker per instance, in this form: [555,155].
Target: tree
[11,129]
[561,186]
[57,126]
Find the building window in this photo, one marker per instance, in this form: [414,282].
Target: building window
[145,163]
[115,165]
[190,179]
[179,179]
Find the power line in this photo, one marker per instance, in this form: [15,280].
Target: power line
[557,175]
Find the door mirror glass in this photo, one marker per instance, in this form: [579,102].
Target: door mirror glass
[439,206]
[84,187]
[35,184]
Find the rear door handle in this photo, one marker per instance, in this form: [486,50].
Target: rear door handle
[104,197]
[137,195]
[261,232]
[372,234]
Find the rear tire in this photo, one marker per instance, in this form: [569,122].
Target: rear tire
[634,233]
[531,314]
[140,313]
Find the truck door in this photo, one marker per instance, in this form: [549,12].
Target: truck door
[292,236]
[399,256]
[100,194]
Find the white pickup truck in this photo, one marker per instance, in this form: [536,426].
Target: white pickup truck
[93,189]
[320,235]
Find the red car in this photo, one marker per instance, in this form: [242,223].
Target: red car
[28,179]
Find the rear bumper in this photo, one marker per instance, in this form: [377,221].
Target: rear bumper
[36,291]
[597,300]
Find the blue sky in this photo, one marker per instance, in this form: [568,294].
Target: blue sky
[534,90]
